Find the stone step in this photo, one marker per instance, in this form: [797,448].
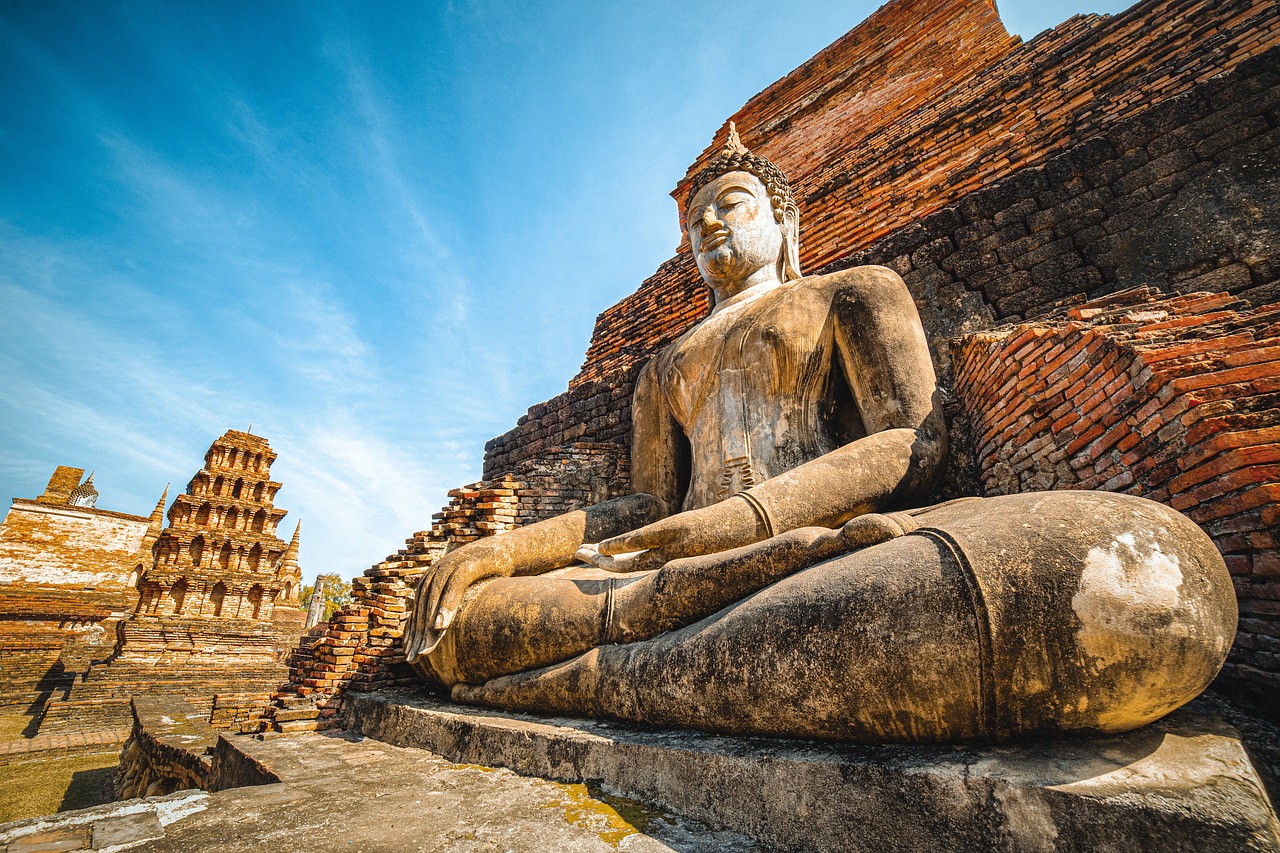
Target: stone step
[294,726]
[283,716]
[1183,783]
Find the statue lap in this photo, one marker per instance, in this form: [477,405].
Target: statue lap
[995,618]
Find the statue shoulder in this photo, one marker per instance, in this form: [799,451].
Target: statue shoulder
[871,285]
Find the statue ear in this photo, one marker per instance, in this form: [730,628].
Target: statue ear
[789,257]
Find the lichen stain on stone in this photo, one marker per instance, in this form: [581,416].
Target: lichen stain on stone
[1125,592]
[611,817]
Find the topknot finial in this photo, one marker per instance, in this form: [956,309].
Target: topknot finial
[734,144]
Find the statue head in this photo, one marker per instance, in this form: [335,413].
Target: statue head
[741,216]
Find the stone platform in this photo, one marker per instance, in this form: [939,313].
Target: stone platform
[340,792]
[1185,783]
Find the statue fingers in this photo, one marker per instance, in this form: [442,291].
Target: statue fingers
[441,576]
[648,537]
[432,600]
[870,529]
[455,589]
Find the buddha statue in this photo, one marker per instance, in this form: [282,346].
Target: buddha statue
[775,572]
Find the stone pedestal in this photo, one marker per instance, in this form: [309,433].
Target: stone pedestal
[1184,783]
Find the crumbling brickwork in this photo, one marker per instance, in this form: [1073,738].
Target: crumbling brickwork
[875,138]
[359,647]
[591,413]
[218,604]
[67,575]
[927,102]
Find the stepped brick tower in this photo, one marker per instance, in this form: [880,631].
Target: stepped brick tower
[220,558]
[217,603]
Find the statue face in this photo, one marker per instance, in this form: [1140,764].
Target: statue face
[732,230]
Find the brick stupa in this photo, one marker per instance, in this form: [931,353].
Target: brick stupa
[217,606]
[220,558]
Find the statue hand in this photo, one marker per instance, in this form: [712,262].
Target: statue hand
[728,524]
[621,563]
[443,589]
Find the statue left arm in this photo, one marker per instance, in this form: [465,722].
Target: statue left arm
[882,350]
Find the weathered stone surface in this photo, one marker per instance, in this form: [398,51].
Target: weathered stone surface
[349,793]
[169,749]
[126,829]
[993,619]
[1182,784]
[52,841]
[117,826]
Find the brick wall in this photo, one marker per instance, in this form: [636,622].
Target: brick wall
[70,547]
[926,102]
[596,412]
[66,578]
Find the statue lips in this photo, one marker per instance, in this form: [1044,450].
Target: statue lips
[716,244]
[714,239]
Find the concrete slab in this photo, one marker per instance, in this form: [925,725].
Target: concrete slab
[1184,783]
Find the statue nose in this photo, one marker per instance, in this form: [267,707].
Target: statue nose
[709,216]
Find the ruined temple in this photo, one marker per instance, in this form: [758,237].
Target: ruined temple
[68,575]
[220,557]
[216,603]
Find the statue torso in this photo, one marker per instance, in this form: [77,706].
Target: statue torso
[751,387]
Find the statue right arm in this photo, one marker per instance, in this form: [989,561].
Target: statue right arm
[659,451]
[552,544]
[532,550]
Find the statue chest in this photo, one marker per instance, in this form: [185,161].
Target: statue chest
[745,386]
[764,351]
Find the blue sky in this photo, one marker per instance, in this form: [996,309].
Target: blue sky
[377,232]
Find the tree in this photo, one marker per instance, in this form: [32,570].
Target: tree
[335,594]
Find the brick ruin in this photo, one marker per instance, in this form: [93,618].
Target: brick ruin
[1100,200]
[201,612]
[68,571]
[220,557]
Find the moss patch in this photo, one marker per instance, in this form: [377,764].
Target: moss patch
[39,788]
[609,816]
